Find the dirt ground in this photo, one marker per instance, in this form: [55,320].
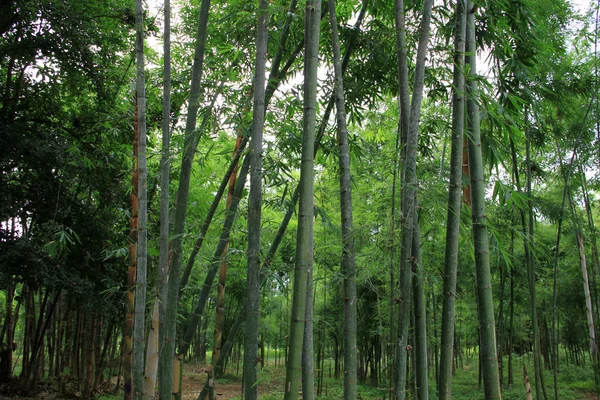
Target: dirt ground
[193,382]
[194,378]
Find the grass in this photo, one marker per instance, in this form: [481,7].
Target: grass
[574,383]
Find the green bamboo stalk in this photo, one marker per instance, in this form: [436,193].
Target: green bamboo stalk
[131,272]
[276,77]
[420,353]
[348,268]
[254,208]
[190,142]
[540,386]
[142,241]
[454,206]
[231,213]
[408,192]
[286,219]
[304,238]
[489,361]
[165,168]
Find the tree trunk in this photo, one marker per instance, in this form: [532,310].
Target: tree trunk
[593,233]
[220,302]
[101,357]
[557,254]
[287,217]
[308,365]
[276,76]
[227,179]
[7,352]
[511,322]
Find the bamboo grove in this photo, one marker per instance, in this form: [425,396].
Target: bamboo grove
[380,194]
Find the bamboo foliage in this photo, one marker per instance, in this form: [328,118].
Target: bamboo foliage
[64,299]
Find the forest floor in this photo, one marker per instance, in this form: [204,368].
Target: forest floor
[575,383]
[230,387]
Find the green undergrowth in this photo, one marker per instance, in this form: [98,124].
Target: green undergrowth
[574,383]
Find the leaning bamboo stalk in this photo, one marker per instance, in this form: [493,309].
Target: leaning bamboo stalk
[191,140]
[227,347]
[231,214]
[276,77]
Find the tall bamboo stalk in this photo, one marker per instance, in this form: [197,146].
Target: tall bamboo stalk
[287,217]
[409,185]
[540,390]
[304,238]
[276,77]
[348,268]
[589,309]
[454,206]
[223,266]
[255,208]
[489,360]
[165,169]
[131,273]
[420,313]
[142,244]
[190,143]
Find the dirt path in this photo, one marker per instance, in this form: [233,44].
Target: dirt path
[194,381]
[194,378]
